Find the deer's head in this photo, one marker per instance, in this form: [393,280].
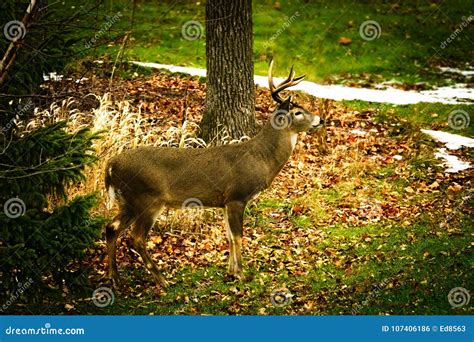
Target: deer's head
[289,115]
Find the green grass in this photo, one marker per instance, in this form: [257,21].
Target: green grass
[306,34]
[409,280]
[411,118]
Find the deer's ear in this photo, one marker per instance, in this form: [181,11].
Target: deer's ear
[285,105]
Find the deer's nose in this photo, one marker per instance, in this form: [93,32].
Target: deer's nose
[317,121]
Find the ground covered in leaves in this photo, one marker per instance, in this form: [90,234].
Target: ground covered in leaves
[372,226]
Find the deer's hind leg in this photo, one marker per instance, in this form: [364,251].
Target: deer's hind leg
[234,217]
[143,224]
[112,232]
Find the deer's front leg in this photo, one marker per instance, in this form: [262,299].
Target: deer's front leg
[234,218]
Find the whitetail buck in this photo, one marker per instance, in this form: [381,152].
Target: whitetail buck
[147,179]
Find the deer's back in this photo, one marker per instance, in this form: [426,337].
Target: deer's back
[215,175]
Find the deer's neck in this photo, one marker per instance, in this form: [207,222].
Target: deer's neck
[275,145]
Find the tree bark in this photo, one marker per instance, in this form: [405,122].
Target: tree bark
[230,98]
[10,55]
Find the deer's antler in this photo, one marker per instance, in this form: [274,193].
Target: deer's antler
[289,82]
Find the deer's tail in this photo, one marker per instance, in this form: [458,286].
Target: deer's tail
[109,187]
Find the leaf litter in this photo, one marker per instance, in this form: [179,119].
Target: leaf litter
[365,180]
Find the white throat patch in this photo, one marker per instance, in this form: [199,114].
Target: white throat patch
[294,138]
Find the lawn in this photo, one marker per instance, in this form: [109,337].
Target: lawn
[409,47]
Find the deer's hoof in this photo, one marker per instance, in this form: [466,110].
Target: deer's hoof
[114,280]
[161,281]
[229,278]
[232,277]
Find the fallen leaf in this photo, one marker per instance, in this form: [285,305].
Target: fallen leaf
[344,40]
[455,187]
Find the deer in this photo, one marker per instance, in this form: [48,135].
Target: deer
[147,179]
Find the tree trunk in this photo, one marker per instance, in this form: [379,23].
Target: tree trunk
[230,97]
